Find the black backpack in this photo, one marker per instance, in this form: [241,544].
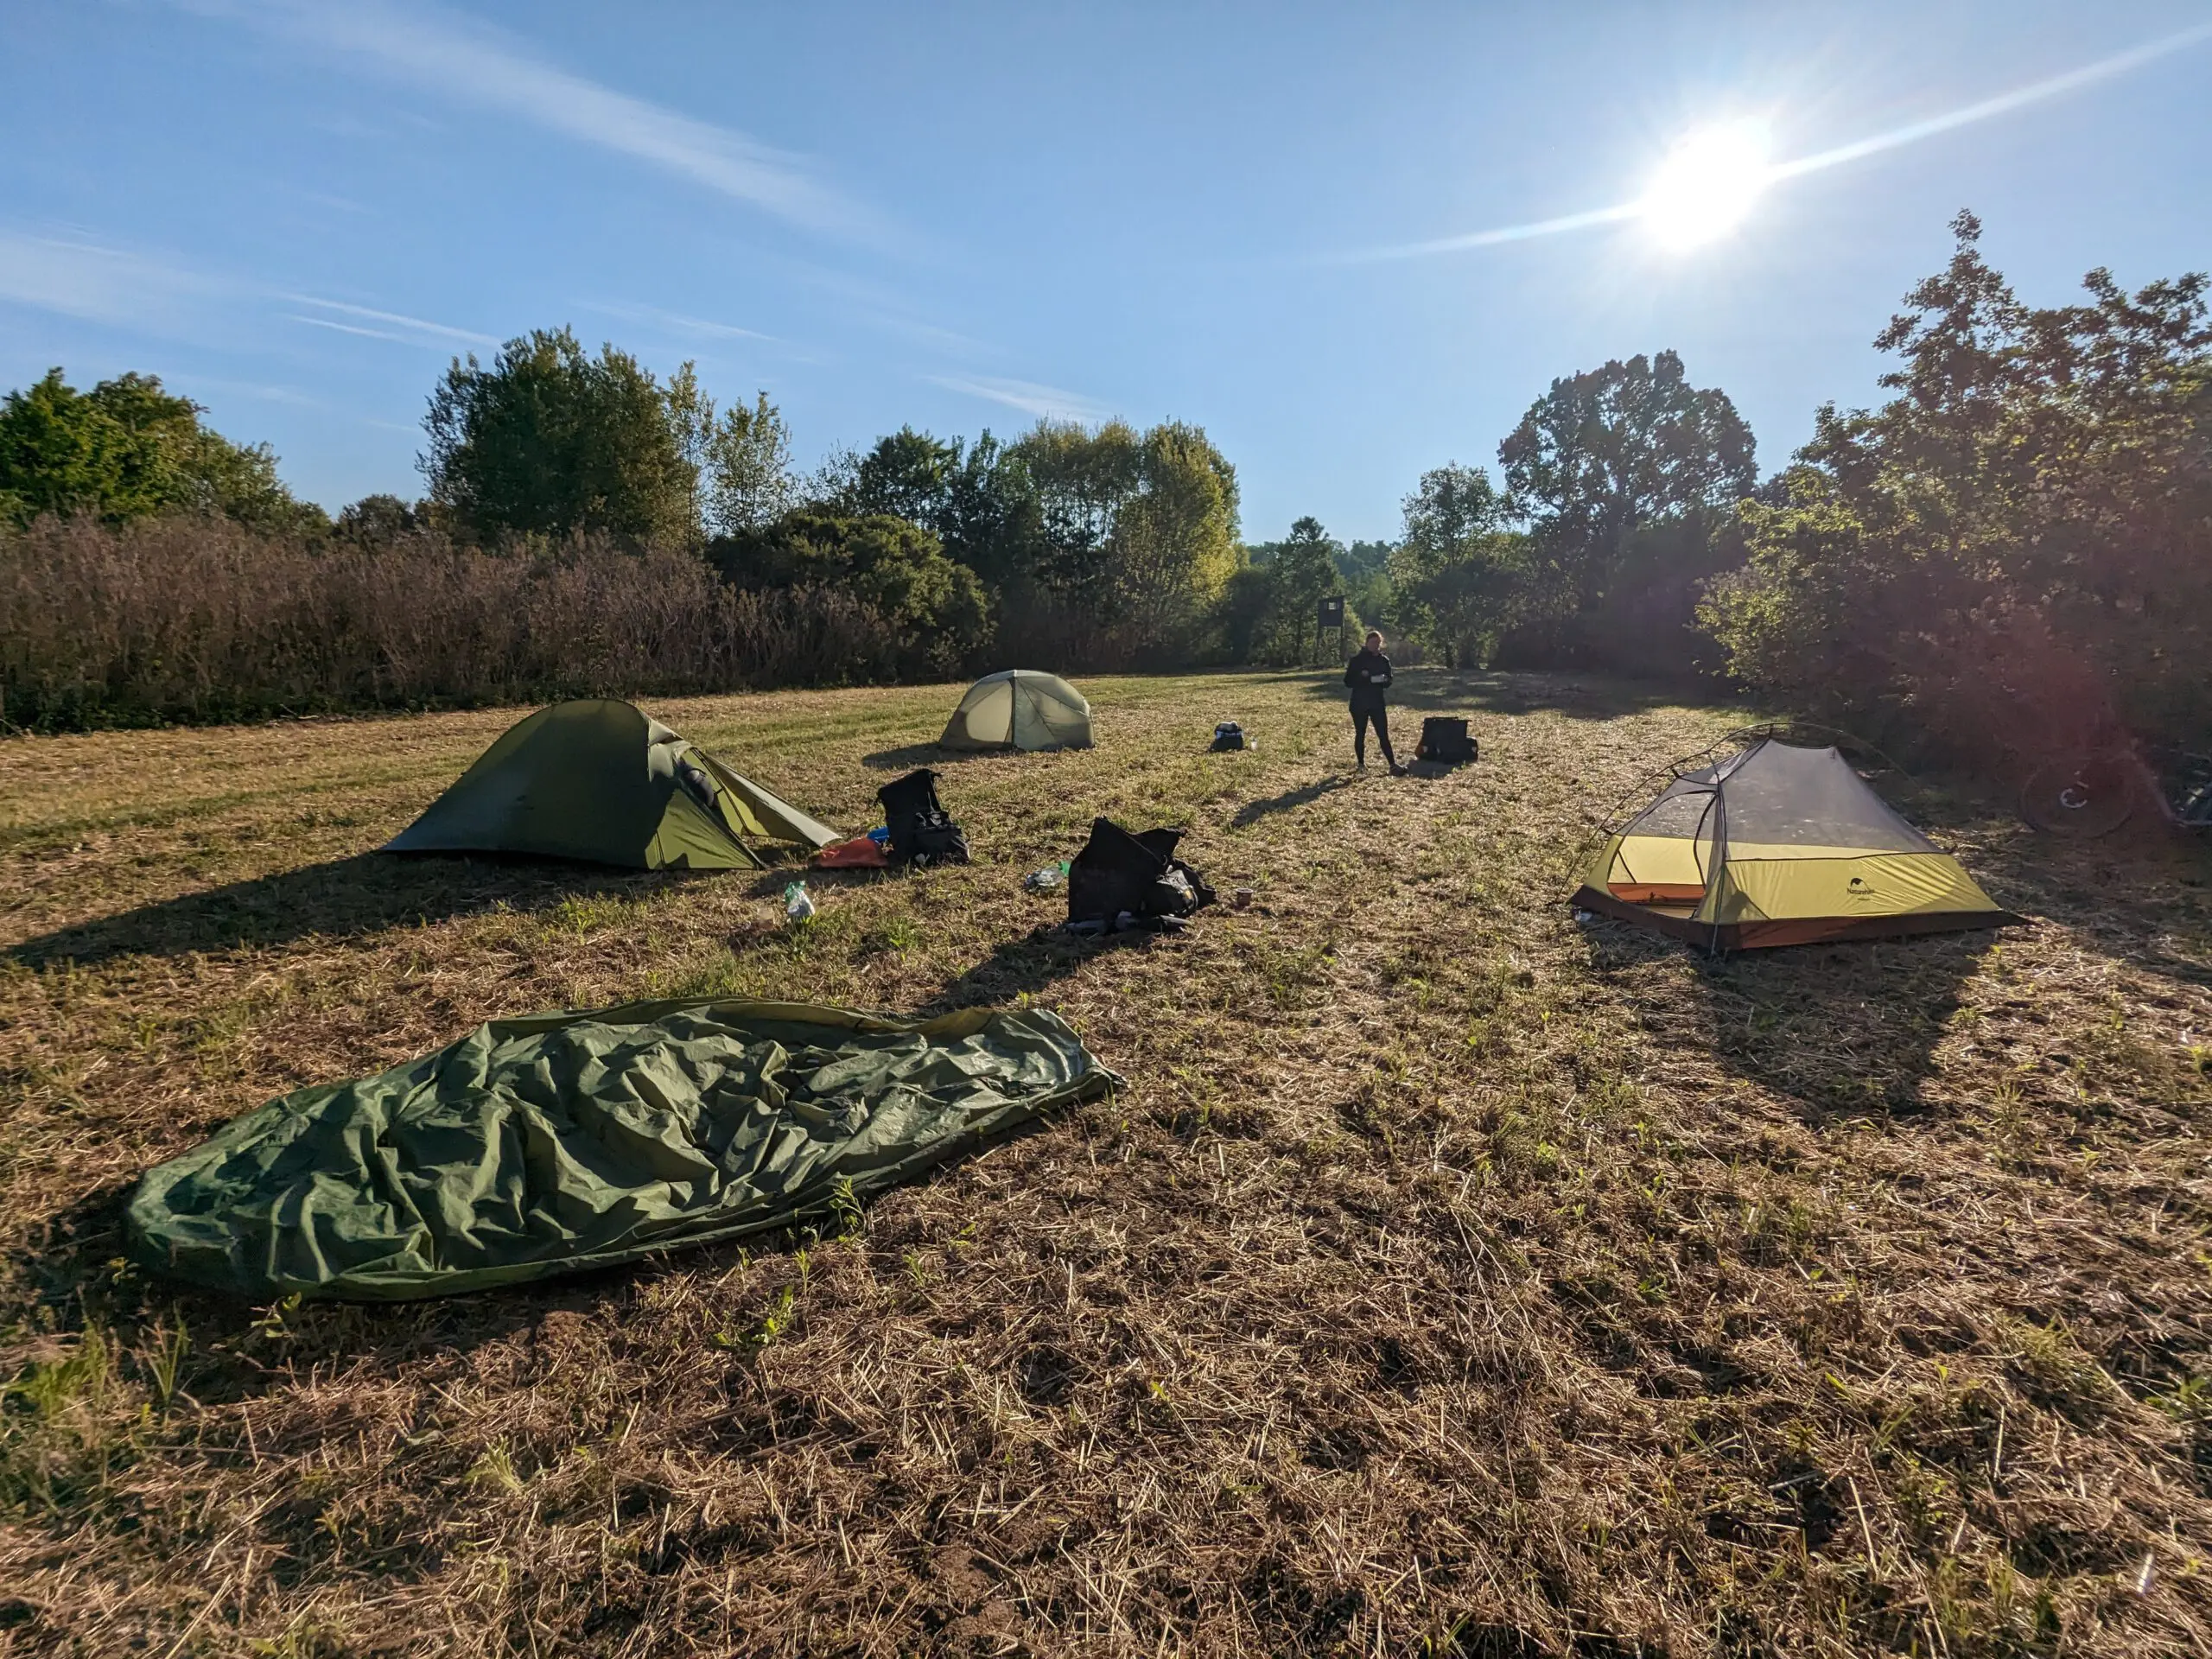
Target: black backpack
[922,832]
[1227,735]
[1117,871]
[1445,739]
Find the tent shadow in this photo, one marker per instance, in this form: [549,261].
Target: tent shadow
[343,897]
[924,755]
[1840,1031]
[1026,965]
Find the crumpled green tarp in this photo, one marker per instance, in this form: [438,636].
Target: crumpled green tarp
[571,1141]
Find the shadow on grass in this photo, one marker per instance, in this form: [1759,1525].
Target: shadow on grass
[2144,896]
[1844,1030]
[925,755]
[344,898]
[1026,965]
[72,1263]
[1578,696]
[1252,811]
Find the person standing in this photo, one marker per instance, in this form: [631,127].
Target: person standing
[1369,677]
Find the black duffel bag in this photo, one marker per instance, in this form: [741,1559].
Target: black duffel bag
[921,831]
[1445,740]
[1117,872]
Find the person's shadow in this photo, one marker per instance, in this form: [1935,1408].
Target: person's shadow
[344,898]
[1252,811]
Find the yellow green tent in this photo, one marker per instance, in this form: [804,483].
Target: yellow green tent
[1779,845]
[1019,709]
[597,780]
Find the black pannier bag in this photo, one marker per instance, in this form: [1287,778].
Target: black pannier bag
[1445,739]
[1117,872]
[922,832]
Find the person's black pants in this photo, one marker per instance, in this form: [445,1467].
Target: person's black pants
[1360,720]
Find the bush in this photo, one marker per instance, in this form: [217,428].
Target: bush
[2015,553]
[935,618]
[204,619]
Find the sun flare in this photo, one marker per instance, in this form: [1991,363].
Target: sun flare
[1705,186]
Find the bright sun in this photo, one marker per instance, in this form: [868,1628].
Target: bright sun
[1705,186]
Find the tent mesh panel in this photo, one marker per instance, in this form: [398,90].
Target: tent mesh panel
[1776,794]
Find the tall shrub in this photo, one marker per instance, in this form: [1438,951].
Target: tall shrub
[199,620]
[2017,548]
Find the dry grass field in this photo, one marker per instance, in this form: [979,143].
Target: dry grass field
[1450,1278]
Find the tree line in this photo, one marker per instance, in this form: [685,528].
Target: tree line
[2020,537]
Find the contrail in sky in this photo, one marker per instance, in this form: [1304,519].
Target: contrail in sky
[2004,104]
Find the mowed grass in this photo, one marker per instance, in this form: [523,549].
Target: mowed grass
[1449,1278]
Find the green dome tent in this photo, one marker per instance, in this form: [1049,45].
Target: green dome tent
[1019,709]
[597,780]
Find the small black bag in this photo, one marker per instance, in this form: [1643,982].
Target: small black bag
[922,832]
[1445,739]
[1227,735]
[1140,874]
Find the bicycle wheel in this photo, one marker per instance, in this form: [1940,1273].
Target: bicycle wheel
[2081,798]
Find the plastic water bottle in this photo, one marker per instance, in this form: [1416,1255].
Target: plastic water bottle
[798,903]
[1045,879]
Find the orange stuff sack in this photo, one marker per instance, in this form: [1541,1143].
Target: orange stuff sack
[861,853]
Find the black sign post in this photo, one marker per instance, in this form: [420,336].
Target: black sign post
[1332,616]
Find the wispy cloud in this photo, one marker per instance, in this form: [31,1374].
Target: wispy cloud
[2108,68]
[470,64]
[1044,401]
[156,294]
[103,284]
[410,331]
[676,323]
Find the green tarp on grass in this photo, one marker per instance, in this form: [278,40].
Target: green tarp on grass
[565,1142]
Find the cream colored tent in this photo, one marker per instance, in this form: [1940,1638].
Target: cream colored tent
[1019,709]
[597,780]
[1780,845]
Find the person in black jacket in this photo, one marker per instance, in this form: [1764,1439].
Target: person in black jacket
[1369,675]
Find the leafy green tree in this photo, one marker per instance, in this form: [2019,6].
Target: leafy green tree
[741,458]
[935,614]
[548,439]
[1365,567]
[2017,548]
[127,449]
[1305,569]
[1174,540]
[1269,610]
[979,500]
[1138,530]
[1082,476]
[909,475]
[1115,542]
[1460,576]
[377,521]
[1608,468]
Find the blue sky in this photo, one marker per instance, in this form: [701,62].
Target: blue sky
[964,216]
